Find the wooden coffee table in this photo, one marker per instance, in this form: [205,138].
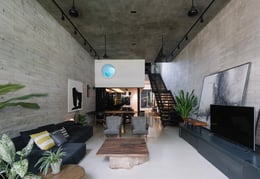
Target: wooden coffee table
[67,172]
[124,152]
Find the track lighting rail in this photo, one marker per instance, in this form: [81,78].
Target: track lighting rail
[76,30]
[185,37]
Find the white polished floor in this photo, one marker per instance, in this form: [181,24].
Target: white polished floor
[169,157]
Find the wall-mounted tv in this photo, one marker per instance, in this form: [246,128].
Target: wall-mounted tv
[235,123]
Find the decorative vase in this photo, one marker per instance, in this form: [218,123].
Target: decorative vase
[55,167]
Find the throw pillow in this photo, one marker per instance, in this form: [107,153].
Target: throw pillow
[64,132]
[43,140]
[58,138]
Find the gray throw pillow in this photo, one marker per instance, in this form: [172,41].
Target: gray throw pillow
[58,138]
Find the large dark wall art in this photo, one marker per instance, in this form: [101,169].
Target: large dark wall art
[227,87]
[75,95]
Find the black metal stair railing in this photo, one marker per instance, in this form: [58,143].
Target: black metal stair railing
[165,100]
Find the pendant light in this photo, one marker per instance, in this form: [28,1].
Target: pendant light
[105,55]
[162,54]
[73,12]
[193,11]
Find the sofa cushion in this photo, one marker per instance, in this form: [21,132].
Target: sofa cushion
[48,127]
[63,131]
[74,152]
[58,138]
[26,134]
[43,140]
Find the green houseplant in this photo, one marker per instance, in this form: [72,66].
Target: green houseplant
[10,167]
[80,118]
[51,159]
[186,104]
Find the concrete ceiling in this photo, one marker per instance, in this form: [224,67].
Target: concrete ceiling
[134,35]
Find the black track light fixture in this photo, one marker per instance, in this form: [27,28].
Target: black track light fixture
[193,11]
[73,12]
[105,55]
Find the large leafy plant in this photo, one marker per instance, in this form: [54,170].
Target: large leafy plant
[10,166]
[186,104]
[18,101]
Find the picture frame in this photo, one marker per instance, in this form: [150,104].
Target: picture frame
[227,87]
[75,95]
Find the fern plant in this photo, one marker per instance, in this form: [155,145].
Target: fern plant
[186,104]
[18,101]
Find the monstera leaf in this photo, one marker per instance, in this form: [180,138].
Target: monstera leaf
[18,101]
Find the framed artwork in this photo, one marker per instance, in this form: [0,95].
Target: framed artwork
[75,95]
[146,98]
[226,87]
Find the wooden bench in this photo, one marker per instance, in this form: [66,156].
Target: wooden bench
[195,123]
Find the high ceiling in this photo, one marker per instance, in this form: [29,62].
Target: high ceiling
[134,35]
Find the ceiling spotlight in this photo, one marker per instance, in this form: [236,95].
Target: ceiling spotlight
[73,12]
[105,55]
[193,11]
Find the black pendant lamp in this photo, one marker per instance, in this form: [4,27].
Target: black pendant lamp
[162,54]
[73,12]
[193,11]
[105,55]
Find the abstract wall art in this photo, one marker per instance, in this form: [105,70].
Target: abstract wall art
[226,87]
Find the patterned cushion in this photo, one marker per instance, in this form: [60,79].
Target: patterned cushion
[43,140]
[63,131]
[58,138]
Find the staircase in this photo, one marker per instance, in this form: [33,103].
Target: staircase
[165,101]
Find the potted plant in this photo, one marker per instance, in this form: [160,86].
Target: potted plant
[80,118]
[186,104]
[10,166]
[51,159]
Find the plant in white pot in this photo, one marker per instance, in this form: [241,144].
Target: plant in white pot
[51,159]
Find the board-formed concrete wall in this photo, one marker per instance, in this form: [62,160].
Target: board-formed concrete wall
[37,52]
[230,39]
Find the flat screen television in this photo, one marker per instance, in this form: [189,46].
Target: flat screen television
[235,123]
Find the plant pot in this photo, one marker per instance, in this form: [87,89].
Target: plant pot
[55,167]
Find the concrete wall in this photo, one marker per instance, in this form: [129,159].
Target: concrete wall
[230,39]
[37,52]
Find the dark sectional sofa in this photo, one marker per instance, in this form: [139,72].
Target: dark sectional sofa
[75,146]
